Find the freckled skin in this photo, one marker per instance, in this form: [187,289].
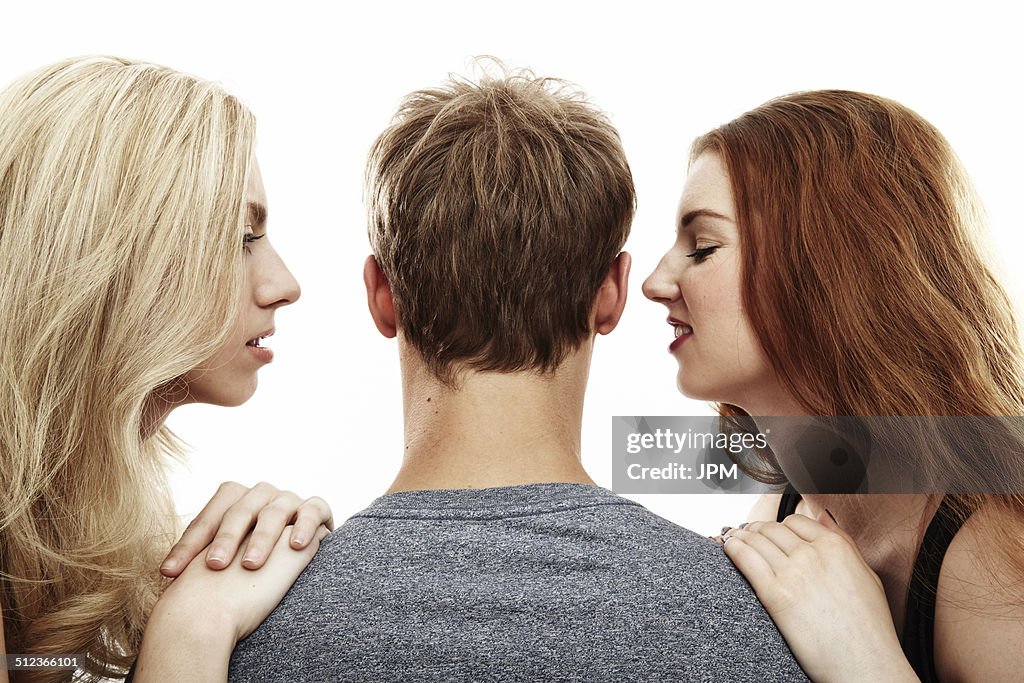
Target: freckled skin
[722,360]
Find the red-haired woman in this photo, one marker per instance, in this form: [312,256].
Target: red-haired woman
[826,265]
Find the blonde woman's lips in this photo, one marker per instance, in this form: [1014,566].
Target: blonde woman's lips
[259,346]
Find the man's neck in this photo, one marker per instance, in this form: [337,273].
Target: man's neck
[494,429]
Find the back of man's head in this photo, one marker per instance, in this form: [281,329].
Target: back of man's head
[496,210]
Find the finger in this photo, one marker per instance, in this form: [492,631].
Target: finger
[202,529]
[805,527]
[312,514]
[270,523]
[782,536]
[285,558]
[829,540]
[282,548]
[236,524]
[750,562]
[772,554]
[319,535]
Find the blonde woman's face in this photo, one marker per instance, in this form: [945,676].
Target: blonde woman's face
[229,377]
[698,281]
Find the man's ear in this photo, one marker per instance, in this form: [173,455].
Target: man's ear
[611,295]
[379,298]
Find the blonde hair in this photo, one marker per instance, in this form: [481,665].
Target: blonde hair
[121,218]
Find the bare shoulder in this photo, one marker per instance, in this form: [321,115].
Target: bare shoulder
[766,509]
[979,611]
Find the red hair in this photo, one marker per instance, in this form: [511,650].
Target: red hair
[864,280]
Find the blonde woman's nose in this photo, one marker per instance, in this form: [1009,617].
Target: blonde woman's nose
[278,287]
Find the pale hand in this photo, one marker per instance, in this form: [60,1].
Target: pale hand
[242,597]
[237,511]
[204,612]
[826,601]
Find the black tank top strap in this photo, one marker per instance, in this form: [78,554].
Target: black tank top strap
[787,506]
[919,623]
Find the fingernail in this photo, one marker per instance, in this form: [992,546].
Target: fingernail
[832,516]
[298,541]
[169,565]
[726,529]
[216,556]
[250,557]
[743,526]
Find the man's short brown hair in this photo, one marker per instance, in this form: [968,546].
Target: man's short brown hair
[496,210]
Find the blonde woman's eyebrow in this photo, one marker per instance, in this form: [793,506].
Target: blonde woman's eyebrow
[257,214]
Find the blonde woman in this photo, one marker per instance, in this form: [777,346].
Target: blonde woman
[135,276]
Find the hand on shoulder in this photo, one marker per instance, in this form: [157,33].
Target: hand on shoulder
[236,595]
[237,511]
[826,601]
[205,612]
[221,595]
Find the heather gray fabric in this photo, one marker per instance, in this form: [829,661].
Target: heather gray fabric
[543,582]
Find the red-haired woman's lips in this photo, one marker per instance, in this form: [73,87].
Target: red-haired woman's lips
[683,331]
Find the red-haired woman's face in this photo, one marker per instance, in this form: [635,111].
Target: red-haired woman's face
[698,281]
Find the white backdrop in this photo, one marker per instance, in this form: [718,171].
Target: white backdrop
[323,80]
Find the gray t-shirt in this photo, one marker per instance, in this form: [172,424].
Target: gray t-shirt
[542,582]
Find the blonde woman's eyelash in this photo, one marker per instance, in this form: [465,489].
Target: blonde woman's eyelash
[249,238]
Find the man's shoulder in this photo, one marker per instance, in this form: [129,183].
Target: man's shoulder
[617,550]
[483,585]
[613,531]
[616,526]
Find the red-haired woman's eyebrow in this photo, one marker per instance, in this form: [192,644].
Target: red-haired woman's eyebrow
[689,216]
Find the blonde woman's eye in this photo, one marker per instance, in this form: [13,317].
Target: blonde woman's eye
[249,238]
[699,255]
